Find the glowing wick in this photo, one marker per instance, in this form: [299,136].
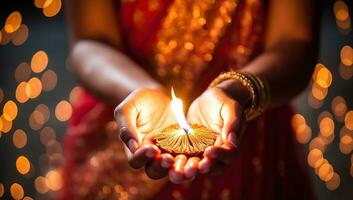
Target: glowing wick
[177,108]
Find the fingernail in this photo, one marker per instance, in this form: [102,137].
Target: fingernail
[132,144]
[150,154]
[165,164]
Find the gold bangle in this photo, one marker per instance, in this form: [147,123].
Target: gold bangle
[258,89]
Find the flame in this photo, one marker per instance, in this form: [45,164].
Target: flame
[177,108]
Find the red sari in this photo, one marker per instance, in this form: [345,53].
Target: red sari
[270,164]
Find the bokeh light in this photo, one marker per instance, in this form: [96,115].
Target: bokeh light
[347,55]
[33,88]
[13,22]
[41,185]
[23,165]
[49,80]
[19,138]
[39,61]
[334,182]
[16,191]
[21,94]
[54,180]
[52,9]
[348,120]
[63,110]
[20,36]
[23,72]
[10,110]
[339,107]
[6,124]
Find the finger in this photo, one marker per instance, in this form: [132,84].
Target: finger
[205,165]
[159,167]
[191,167]
[224,154]
[232,115]
[176,173]
[126,116]
[143,155]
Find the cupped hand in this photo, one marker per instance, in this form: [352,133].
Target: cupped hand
[220,112]
[143,113]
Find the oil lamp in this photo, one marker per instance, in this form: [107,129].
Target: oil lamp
[183,138]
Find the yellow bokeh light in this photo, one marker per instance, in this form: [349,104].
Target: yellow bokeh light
[13,22]
[348,120]
[49,80]
[17,191]
[63,111]
[10,110]
[19,138]
[21,94]
[52,9]
[334,182]
[347,55]
[39,61]
[33,88]
[23,165]
[314,156]
[6,124]
[324,77]
[41,184]
[54,180]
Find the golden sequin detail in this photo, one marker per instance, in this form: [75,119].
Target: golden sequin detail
[188,37]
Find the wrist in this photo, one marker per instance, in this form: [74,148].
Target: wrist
[237,91]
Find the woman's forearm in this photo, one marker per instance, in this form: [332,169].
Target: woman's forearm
[287,68]
[107,72]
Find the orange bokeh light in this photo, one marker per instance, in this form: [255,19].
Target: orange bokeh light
[348,120]
[327,126]
[33,88]
[10,110]
[39,61]
[347,55]
[13,22]
[20,36]
[54,180]
[19,138]
[324,77]
[334,182]
[49,80]
[52,9]
[17,191]
[326,172]
[6,124]
[63,111]
[21,94]
[41,184]
[314,156]
[23,165]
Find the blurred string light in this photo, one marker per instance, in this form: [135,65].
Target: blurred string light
[343,19]
[32,79]
[322,79]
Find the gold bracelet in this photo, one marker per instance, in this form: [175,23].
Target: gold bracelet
[258,89]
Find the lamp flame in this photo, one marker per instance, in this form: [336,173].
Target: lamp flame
[177,108]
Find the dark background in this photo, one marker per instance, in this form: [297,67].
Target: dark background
[49,34]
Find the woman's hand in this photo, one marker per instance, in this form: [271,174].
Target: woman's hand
[221,109]
[143,113]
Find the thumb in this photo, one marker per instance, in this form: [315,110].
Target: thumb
[231,114]
[125,116]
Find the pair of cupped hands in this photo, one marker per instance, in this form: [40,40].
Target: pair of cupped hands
[147,111]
